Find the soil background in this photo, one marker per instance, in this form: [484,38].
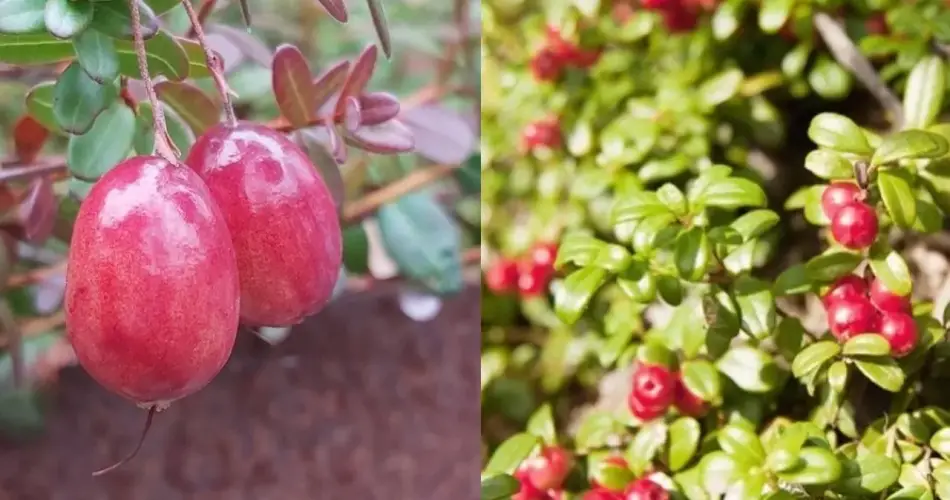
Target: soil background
[359,402]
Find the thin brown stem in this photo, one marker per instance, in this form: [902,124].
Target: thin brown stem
[130,456]
[368,204]
[215,64]
[163,146]
[204,10]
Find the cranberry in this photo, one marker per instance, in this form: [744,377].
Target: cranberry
[876,24]
[886,300]
[686,402]
[542,133]
[855,225]
[533,279]
[652,393]
[645,489]
[837,195]
[527,491]
[679,20]
[658,4]
[585,58]
[502,276]
[283,220]
[152,291]
[547,470]
[546,66]
[602,494]
[900,330]
[847,318]
[544,254]
[848,287]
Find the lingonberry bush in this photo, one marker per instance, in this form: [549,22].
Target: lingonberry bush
[747,294]
[200,180]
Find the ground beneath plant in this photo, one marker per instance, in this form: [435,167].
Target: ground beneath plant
[358,403]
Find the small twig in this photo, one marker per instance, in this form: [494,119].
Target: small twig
[368,204]
[148,425]
[163,145]
[207,6]
[214,63]
[35,275]
[848,56]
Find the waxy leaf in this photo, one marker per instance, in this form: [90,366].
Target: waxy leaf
[923,95]
[326,165]
[39,103]
[751,369]
[97,55]
[702,379]
[78,99]
[293,88]
[21,16]
[114,18]
[773,14]
[831,265]
[839,133]
[392,137]
[329,83]
[165,56]
[196,108]
[910,144]
[336,9]
[356,249]
[733,192]
[815,466]
[829,165]
[40,48]
[572,297]
[499,487]
[811,358]
[381,25]
[869,473]
[898,196]
[108,142]
[883,371]
[684,434]
[67,18]
[144,142]
[867,344]
[359,75]
[692,254]
[509,454]
[891,269]
[379,107]
[440,134]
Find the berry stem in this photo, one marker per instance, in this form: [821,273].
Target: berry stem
[215,65]
[135,451]
[163,146]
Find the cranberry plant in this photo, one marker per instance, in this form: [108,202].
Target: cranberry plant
[730,311]
[109,93]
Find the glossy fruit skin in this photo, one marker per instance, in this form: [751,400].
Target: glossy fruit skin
[886,300]
[602,494]
[546,66]
[645,489]
[502,276]
[686,402]
[283,220]
[848,287]
[900,330]
[544,254]
[527,490]
[152,292]
[541,133]
[837,195]
[847,318]
[855,225]
[548,469]
[533,278]
[652,393]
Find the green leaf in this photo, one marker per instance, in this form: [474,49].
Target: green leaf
[39,103]
[424,241]
[720,88]
[702,379]
[114,18]
[596,430]
[355,249]
[756,306]
[638,283]
[829,165]
[719,471]
[832,265]
[610,475]
[773,14]
[781,460]
[692,254]
[144,141]
[541,424]
[673,198]
[741,444]
[940,441]
[869,473]
[21,16]
[755,223]
[684,441]
[732,193]
[923,94]
[725,21]
[162,6]
[792,281]
[578,248]
[78,99]
[40,48]
[867,344]
[571,299]
[509,454]
[653,352]
[795,60]
[883,371]
[499,487]
[828,79]
[638,206]
[749,368]
[646,444]
[839,133]
[908,145]
[816,466]
[891,269]
[196,108]
[67,18]
[109,141]
[811,358]
[97,55]
[164,54]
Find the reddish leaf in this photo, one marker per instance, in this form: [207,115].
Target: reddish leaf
[248,44]
[391,137]
[28,138]
[293,85]
[336,9]
[351,114]
[337,148]
[359,76]
[198,110]
[441,134]
[38,211]
[329,83]
[378,107]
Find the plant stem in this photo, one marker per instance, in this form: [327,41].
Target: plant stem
[368,204]
[163,146]
[215,64]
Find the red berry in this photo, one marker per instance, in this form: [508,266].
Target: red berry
[546,66]
[502,276]
[645,489]
[527,490]
[283,220]
[602,494]
[152,290]
[886,300]
[876,24]
[533,279]
[900,330]
[652,393]
[848,287]
[544,254]
[658,4]
[847,318]
[547,470]
[855,225]
[679,20]
[585,58]
[542,133]
[837,195]
[686,402]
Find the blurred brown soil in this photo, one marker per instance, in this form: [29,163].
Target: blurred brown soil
[360,403]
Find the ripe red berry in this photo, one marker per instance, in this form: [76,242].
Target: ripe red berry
[900,330]
[855,225]
[602,494]
[283,220]
[152,291]
[848,287]
[502,276]
[542,133]
[658,4]
[585,58]
[837,195]
[850,317]
[546,66]
[527,491]
[533,279]
[652,393]
[876,24]
[679,20]
[886,300]
[645,489]
[686,402]
[548,469]
[544,254]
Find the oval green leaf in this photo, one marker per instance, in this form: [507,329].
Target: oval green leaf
[78,99]
[867,344]
[923,95]
[97,55]
[909,145]
[21,16]
[811,358]
[815,466]
[572,297]
[683,442]
[892,270]
[839,133]
[509,454]
[108,142]
[67,18]
[884,372]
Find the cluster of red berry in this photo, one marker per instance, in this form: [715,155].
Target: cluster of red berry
[679,15]
[529,275]
[543,133]
[855,308]
[558,53]
[854,223]
[656,388]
